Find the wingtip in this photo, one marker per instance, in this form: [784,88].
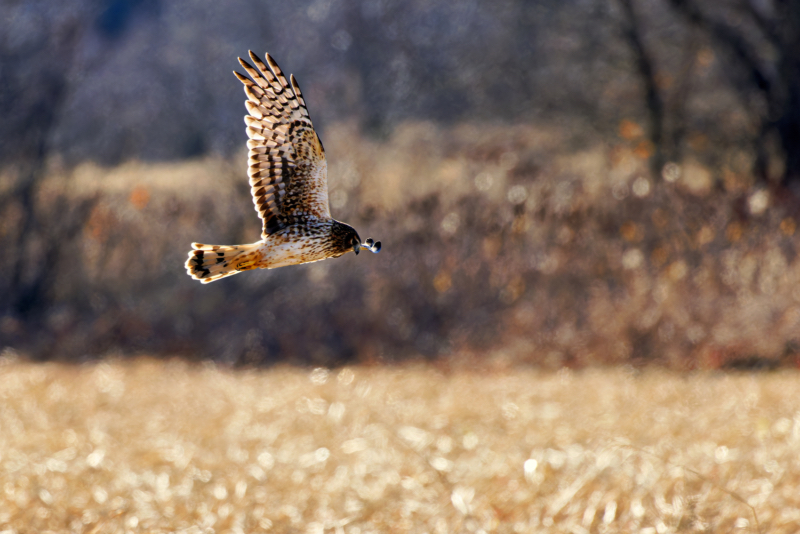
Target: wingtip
[254,57]
[273,65]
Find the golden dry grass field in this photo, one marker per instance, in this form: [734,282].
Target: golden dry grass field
[152,446]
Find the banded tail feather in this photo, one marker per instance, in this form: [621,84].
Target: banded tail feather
[209,263]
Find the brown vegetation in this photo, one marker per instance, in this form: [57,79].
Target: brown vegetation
[555,184]
[507,241]
[149,446]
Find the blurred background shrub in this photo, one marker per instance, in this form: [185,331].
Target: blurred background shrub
[554,183]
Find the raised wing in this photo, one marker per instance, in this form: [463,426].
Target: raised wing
[287,167]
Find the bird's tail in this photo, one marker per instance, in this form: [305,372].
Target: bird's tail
[208,263]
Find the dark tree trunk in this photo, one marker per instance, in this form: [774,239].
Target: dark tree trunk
[788,123]
[647,71]
[776,80]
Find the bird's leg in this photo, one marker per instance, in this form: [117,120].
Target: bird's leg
[246,265]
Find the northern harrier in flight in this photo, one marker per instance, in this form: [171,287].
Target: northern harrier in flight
[288,181]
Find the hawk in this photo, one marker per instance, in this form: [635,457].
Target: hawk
[288,181]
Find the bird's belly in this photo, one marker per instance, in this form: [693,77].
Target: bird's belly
[284,253]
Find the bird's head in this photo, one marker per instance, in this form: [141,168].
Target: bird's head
[346,239]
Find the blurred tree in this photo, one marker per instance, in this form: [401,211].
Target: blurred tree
[632,29]
[36,61]
[40,58]
[759,42]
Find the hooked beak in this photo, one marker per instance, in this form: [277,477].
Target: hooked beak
[356,248]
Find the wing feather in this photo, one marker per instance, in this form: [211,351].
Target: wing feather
[286,164]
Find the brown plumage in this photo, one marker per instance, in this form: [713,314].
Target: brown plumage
[288,181]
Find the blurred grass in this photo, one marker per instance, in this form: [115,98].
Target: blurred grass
[153,446]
